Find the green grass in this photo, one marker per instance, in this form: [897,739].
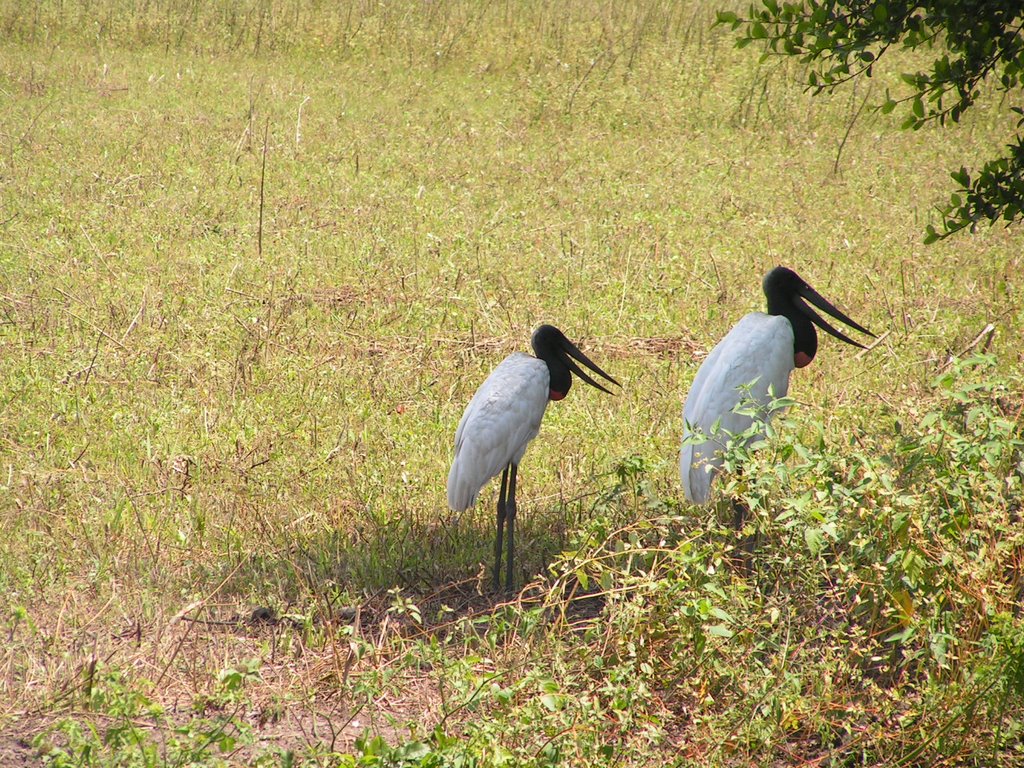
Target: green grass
[192,427]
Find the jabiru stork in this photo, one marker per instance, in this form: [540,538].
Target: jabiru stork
[753,361]
[501,420]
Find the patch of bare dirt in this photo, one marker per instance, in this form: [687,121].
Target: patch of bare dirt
[16,750]
[304,696]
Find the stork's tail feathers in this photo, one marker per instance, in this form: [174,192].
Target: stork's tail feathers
[461,494]
[696,477]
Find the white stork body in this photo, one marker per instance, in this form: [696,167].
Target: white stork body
[753,362]
[500,421]
[755,357]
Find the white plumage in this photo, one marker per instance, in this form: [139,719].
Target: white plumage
[752,362]
[758,352]
[500,421]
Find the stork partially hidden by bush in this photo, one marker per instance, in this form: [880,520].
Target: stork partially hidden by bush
[501,420]
[753,361]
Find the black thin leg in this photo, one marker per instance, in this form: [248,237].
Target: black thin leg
[511,509]
[739,514]
[501,529]
[745,544]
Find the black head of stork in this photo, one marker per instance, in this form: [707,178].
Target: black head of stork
[786,292]
[551,346]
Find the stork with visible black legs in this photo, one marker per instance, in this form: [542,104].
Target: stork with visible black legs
[753,361]
[501,420]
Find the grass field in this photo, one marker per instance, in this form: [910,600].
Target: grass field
[256,257]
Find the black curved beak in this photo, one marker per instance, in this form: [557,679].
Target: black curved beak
[825,306]
[572,351]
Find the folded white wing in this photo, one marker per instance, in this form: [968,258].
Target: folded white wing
[500,421]
[758,352]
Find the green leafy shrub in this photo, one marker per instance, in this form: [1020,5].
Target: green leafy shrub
[877,624]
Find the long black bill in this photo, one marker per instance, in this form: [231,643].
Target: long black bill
[825,306]
[573,351]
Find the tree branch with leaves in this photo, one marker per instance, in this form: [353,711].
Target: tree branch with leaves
[975,42]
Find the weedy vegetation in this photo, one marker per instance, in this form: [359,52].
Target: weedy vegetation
[255,257]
